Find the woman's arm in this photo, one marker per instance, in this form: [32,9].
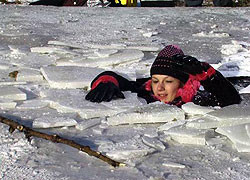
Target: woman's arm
[220,88]
[108,85]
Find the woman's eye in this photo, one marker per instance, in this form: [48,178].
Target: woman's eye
[168,81]
[154,82]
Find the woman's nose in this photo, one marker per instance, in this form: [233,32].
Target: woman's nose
[160,87]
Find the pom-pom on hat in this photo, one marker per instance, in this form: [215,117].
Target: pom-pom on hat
[164,64]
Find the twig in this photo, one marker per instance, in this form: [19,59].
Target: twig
[57,139]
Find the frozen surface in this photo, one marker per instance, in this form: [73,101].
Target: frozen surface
[152,113]
[29,75]
[126,150]
[125,40]
[227,116]
[186,135]
[5,104]
[69,77]
[12,93]
[191,108]
[50,122]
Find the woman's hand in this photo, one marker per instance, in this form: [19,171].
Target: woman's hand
[104,92]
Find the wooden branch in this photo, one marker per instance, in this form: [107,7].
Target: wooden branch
[57,139]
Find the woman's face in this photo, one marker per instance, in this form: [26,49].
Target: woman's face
[165,87]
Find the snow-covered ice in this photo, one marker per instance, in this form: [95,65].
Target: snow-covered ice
[69,76]
[57,53]
[191,108]
[186,135]
[50,122]
[12,93]
[152,113]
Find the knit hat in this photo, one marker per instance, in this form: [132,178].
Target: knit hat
[165,64]
[171,61]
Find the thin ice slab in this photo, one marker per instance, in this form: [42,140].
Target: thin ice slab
[237,134]
[12,93]
[226,116]
[151,113]
[30,75]
[125,150]
[33,104]
[191,108]
[185,135]
[94,60]
[73,100]
[6,104]
[70,77]
[51,122]
[88,123]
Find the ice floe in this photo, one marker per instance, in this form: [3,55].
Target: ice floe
[126,150]
[69,76]
[73,100]
[50,122]
[151,113]
[6,104]
[94,60]
[191,108]
[33,104]
[30,75]
[227,116]
[88,123]
[12,93]
[187,135]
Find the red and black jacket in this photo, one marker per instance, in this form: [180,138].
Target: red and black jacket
[217,90]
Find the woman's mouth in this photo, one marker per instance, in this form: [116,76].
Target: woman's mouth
[162,96]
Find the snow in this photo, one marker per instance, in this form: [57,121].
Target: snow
[58,51]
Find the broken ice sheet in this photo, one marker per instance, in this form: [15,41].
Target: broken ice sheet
[105,52]
[33,60]
[153,142]
[123,57]
[245,90]
[7,104]
[173,165]
[227,116]
[69,76]
[150,113]
[73,100]
[126,150]
[31,75]
[33,104]
[50,122]
[185,135]
[236,133]
[12,93]
[171,124]
[192,108]
[88,123]
[240,147]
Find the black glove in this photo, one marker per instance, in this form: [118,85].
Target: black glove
[104,92]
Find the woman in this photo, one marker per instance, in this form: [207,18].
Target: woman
[175,79]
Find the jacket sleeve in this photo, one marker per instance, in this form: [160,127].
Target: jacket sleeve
[110,76]
[220,89]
